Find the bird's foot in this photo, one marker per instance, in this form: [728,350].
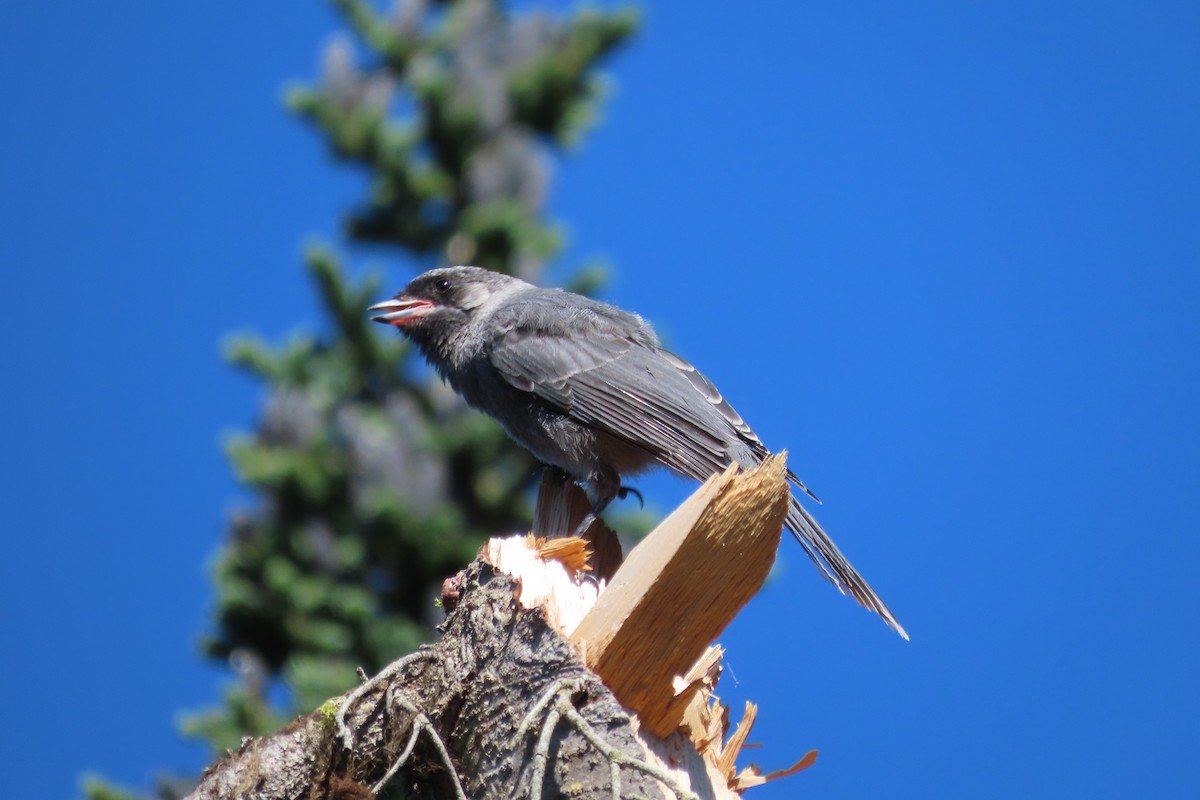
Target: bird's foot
[585,523]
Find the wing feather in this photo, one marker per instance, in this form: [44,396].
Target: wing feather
[625,388]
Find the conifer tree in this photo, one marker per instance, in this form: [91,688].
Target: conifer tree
[372,480]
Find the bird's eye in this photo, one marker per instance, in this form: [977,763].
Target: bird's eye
[442,285]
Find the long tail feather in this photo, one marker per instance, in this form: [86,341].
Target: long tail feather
[833,565]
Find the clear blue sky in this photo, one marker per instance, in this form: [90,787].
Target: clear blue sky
[946,253]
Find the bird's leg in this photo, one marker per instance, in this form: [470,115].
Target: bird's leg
[587,521]
[601,488]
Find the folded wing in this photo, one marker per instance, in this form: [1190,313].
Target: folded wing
[655,400]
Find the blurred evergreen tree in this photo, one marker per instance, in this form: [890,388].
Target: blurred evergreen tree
[373,481]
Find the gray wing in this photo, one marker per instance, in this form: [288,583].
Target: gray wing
[628,386]
[706,388]
[627,389]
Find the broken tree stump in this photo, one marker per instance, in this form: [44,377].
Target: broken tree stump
[553,678]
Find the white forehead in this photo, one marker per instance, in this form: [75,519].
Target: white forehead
[474,295]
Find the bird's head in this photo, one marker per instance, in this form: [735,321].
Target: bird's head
[438,305]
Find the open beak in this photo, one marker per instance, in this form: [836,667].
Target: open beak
[399,311]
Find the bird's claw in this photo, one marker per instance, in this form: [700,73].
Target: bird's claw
[625,491]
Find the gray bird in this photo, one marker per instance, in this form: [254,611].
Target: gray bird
[587,388]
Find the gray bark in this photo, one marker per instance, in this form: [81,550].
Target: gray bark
[474,687]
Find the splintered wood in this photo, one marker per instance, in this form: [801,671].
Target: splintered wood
[681,586]
[550,576]
[646,630]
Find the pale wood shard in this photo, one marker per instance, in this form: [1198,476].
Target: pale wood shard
[727,763]
[705,720]
[571,551]
[706,670]
[752,775]
[681,586]
[701,715]
[547,576]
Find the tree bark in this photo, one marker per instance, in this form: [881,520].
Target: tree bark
[494,663]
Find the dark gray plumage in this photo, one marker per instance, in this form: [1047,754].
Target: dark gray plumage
[587,387]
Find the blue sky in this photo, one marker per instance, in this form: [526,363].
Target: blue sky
[945,253]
